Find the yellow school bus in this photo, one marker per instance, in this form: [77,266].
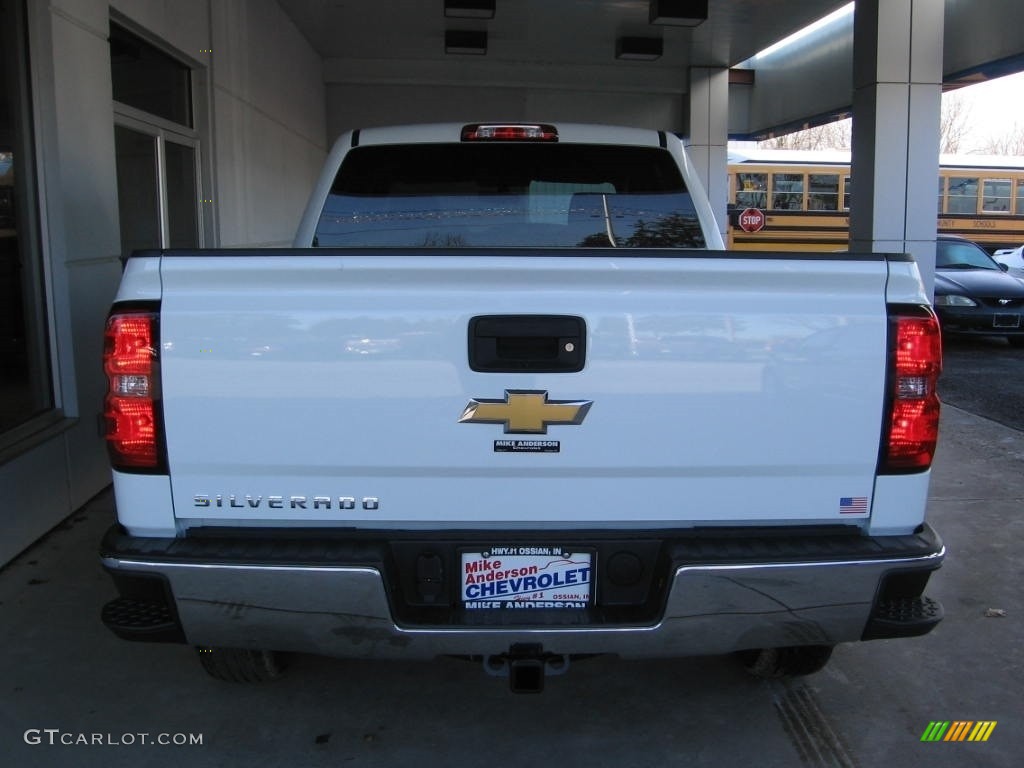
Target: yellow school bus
[805,197]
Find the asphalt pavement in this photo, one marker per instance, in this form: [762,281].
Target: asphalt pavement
[72,694]
[984,376]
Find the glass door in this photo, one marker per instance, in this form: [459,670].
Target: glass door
[26,386]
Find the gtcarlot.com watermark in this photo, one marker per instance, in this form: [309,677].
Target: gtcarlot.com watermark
[56,737]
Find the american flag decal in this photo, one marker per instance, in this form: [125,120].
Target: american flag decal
[853,505]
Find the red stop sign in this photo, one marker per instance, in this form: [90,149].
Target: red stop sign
[752,219]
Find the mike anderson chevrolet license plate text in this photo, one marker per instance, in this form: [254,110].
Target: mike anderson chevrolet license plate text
[526,577]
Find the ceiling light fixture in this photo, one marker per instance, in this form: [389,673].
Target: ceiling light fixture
[679,13]
[469,9]
[638,48]
[465,41]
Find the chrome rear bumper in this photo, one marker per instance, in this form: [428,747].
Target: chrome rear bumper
[709,608]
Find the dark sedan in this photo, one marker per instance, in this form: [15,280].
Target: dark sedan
[974,295]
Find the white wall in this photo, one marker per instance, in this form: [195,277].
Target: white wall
[365,93]
[362,106]
[267,111]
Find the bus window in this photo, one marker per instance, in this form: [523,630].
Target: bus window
[942,191]
[822,191]
[752,190]
[847,191]
[787,191]
[1020,197]
[996,197]
[963,195]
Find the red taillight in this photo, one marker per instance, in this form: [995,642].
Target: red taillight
[130,410]
[509,132]
[913,427]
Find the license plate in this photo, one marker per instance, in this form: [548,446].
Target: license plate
[526,578]
[1006,321]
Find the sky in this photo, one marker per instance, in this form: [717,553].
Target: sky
[993,108]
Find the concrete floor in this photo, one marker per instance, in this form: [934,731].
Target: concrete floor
[63,671]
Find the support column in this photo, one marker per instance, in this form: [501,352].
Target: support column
[897,104]
[709,135]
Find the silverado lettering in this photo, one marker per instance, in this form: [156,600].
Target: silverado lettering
[278,502]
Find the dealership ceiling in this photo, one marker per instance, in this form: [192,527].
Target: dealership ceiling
[557,32]
[630,46]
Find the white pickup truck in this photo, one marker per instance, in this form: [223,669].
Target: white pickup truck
[508,399]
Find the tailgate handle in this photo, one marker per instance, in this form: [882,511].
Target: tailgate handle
[527,343]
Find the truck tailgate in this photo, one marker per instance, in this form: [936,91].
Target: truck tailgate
[332,388]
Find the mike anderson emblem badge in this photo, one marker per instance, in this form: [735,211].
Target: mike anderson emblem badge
[525,412]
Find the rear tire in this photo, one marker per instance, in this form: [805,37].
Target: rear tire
[240,665]
[792,661]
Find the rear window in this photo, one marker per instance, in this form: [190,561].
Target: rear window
[509,195]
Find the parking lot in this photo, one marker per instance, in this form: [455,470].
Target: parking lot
[985,376]
[65,678]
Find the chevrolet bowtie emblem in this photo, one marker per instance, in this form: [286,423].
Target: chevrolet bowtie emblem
[525,412]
